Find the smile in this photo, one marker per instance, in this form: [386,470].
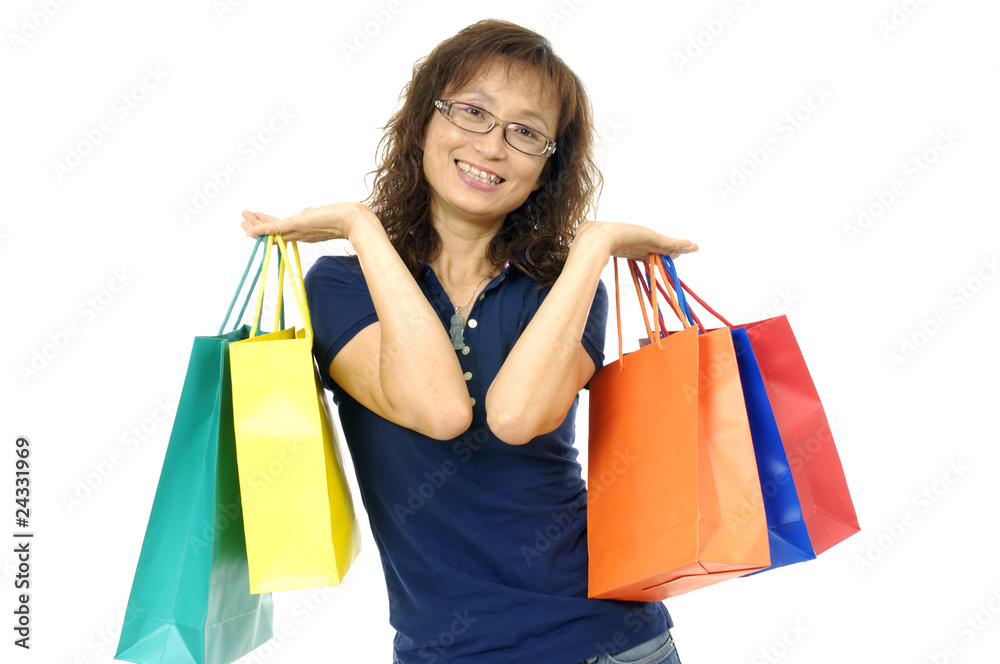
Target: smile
[476,174]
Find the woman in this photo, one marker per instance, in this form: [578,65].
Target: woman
[455,343]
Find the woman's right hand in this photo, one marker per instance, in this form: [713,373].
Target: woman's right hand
[402,366]
[335,221]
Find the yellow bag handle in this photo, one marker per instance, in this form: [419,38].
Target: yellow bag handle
[298,284]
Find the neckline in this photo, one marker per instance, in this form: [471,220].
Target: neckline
[427,271]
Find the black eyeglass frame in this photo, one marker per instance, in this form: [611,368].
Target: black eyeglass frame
[444,105]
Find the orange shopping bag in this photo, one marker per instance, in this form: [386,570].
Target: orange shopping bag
[674,518]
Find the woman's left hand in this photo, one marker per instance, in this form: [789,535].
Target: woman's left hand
[631,240]
[548,366]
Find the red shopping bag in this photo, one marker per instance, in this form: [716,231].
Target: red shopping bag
[805,432]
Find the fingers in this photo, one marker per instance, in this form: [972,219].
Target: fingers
[682,247]
[258,223]
[672,248]
[675,248]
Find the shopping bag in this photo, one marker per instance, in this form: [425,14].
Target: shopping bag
[805,433]
[670,467]
[299,518]
[190,600]
[787,533]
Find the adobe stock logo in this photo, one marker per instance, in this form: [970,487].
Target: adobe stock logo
[419,494]
[121,107]
[32,25]
[899,16]
[86,312]
[925,500]
[786,127]
[912,169]
[560,13]
[130,441]
[439,645]
[928,328]
[968,630]
[780,647]
[219,179]
[366,34]
[712,30]
[225,7]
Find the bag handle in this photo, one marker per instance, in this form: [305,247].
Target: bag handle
[618,314]
[681,287]
[239,288]
[253,284]
[678,292]
[298,285]
[671,269]
[281,294]
[647,286]
[679,295]
[654,332]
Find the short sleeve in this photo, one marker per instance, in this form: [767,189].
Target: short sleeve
[596,330]
[340,306]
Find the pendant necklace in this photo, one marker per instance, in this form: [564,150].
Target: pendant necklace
[457,330]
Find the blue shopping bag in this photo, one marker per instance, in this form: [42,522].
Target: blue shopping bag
[786,527]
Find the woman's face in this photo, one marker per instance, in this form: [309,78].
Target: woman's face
[450,151]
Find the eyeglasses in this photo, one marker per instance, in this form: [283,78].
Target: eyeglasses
[519,136]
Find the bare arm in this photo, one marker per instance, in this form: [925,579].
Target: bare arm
[549,365]
[402,367]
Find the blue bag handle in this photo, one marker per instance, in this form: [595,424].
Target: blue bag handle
[681,298]
[671,269]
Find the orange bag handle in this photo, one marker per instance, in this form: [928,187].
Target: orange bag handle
[671,297]
[654,332]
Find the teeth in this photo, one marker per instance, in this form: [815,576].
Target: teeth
[485,178]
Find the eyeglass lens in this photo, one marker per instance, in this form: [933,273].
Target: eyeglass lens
[521,136]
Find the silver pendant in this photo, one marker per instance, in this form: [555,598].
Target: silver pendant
[457,332]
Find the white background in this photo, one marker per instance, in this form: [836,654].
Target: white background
[893,75]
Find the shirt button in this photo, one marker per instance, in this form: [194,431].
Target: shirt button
[472,400]
[468,375]
[465,350]
[472,322]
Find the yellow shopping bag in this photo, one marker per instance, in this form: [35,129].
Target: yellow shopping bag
[298,514]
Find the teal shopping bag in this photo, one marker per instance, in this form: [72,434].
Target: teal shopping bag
[190,601]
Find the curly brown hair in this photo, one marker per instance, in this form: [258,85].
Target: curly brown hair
[543,227]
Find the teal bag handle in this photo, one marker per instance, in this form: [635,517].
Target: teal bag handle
[246,302]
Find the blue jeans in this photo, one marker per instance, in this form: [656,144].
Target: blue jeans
[660,650]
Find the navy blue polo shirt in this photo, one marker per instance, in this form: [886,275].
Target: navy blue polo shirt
[483,544]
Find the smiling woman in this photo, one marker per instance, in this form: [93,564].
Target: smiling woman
[456,342]
[482,66]
[459,162]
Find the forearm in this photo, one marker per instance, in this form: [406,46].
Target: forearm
[419,373]
[541,376]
